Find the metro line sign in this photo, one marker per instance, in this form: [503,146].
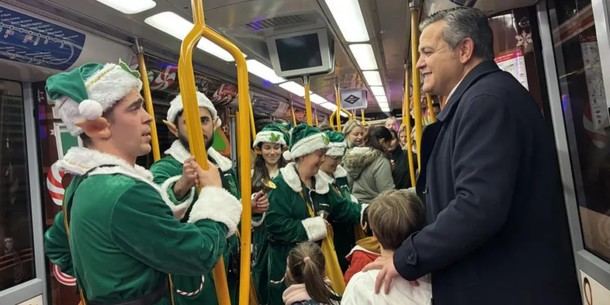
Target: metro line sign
[352,99]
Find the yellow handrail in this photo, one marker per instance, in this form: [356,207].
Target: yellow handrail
[316,118]
[416,80]
[243,95]
[149,104]
[307,102]
[187,88]
[252,125]
[406,121]
[294,116]
[362,117]
[186,79]
[338,102]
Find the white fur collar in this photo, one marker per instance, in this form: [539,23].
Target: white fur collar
[179,152]
[80,160]
[290,175]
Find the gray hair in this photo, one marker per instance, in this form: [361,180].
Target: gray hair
[463,22]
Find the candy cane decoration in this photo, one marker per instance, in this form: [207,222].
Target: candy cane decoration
[63,278]
[54,186]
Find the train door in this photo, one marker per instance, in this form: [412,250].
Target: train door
[22,263]
[575,38]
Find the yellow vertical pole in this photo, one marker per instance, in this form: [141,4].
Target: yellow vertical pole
[294,116]
[406,121]
[362,117]
[148,102]
[252,125]
[307,101]
[338,102]
[415,78]
[316,117]
[431,114]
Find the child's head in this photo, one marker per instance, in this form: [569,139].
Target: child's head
[306,265]
[394,215]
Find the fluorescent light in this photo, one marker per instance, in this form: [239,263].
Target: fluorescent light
[317,99]
[293,88]
[257,68]
[377,90]
[129,6]
[348,16]
[385,109]
[372,78]
[344,115]
[381,98]
[329,106]
[363,53]
[172,24]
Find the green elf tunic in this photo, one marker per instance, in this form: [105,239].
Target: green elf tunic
[259,252]
[288,221]
[124,238]
[166,172]
[343,233]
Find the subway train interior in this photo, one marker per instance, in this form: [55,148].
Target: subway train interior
[358,60]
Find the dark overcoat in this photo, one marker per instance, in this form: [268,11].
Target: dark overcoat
[496,231]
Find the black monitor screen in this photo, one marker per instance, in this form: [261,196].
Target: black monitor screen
[299,52]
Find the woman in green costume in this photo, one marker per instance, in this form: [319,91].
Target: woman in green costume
[300,205]
[268,145]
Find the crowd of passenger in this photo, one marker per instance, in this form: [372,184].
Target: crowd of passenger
[336,216]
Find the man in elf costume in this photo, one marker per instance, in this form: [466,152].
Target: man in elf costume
[117,235]
[301,204]
[175,174]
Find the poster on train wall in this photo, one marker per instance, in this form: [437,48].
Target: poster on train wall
[513,62]
[30,40]
[595,85]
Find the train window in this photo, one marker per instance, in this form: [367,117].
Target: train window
[16,244]
[586,115]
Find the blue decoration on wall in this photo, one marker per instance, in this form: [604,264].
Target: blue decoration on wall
[34,41]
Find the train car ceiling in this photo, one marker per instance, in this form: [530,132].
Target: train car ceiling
[249,23]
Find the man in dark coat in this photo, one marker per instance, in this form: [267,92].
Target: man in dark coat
[497,231]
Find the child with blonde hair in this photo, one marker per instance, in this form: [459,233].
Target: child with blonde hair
[392,216]
[305,277]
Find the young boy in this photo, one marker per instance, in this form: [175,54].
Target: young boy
[393,216]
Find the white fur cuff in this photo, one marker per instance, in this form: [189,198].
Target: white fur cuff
[363,207]
[178,207]
[217,204]
[315,228]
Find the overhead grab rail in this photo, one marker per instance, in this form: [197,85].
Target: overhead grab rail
[197,147]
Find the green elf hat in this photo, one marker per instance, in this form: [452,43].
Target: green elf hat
[275,133]
[337,146]
[84,93]
[176,106]
[304,140]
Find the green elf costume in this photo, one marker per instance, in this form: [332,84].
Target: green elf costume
[275,133]
[198,290]
[122,238]
[343,233]
[293,207]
